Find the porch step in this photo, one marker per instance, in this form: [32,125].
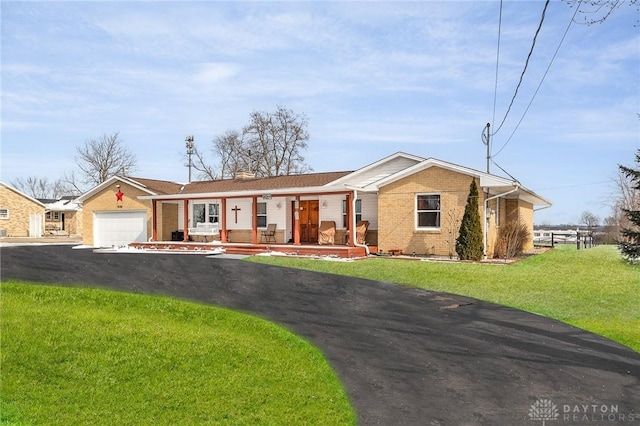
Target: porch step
[248,249]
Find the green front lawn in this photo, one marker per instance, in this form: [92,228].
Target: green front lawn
[592,289]
[86,356]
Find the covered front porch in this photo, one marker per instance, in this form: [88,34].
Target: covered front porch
[238,221]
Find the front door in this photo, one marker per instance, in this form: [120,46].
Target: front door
[309,215]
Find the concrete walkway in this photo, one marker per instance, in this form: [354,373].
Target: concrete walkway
[405,356]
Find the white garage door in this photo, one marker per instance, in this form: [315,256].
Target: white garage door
[119,228]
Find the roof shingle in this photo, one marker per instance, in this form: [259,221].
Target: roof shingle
[258,184]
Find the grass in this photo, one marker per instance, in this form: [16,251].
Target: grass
[88,356]
[591,289]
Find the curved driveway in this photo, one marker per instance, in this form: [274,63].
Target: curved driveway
[405,356]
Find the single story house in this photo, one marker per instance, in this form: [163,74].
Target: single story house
[412,204]
[20,214]
[63,216]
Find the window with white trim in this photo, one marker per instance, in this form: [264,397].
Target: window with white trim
[262,215]
[198,213]
[56,215]
[358,212]
[4,213]
[47,216]
[427,211]
[206,212]
[214,213]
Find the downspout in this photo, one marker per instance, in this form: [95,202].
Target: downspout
[485,228]
[353,221]
[355,236]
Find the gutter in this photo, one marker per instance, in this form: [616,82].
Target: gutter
[485,228]
[281,192]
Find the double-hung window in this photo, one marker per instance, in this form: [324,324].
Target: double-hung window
[262,215]
[4,213]
[428,211]
[214,213]
[199,213]
[206,212]
[358,212]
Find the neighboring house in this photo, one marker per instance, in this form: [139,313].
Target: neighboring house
[412,204]
[20,214]
[63,216]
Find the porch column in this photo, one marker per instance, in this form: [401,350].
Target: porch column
[351,231]
[154,220]
[223,221]
[186,220]
[296,221]
[254,220]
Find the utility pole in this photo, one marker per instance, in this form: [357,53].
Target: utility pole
[488,146]
[189,143]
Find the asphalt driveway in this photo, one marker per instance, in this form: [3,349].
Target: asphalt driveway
[405,356]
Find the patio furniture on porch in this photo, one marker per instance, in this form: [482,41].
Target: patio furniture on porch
[269,233]
[361,231]
[326,232]
[205,229]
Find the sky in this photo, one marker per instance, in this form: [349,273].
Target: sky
[372,78]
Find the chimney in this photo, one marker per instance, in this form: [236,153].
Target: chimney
[244,175]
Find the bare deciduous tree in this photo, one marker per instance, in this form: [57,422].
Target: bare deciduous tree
[597,11]
[38,187]
[270,145]
[589,220]
[98,160]
[275,141]
[200,165]
[453,225]
[231,151]
[624,197]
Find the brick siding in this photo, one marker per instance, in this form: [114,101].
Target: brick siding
[106,201]
[19,208]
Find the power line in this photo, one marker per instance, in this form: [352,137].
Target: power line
[526,64]
[508,174]
[541,80]
[495,88]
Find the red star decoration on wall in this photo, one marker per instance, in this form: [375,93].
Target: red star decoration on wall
[119,195]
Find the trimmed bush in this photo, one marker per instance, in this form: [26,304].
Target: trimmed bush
[469,245]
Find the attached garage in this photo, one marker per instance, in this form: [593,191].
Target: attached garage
[117,228]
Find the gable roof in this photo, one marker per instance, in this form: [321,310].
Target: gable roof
[11,188]
[150,186]
[492,183]
[368,179]
[154,185]
[381,169]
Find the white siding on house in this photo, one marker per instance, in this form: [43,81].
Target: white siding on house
[332,211]
[244,214]
[369,208]
[274,214]
[367,177]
